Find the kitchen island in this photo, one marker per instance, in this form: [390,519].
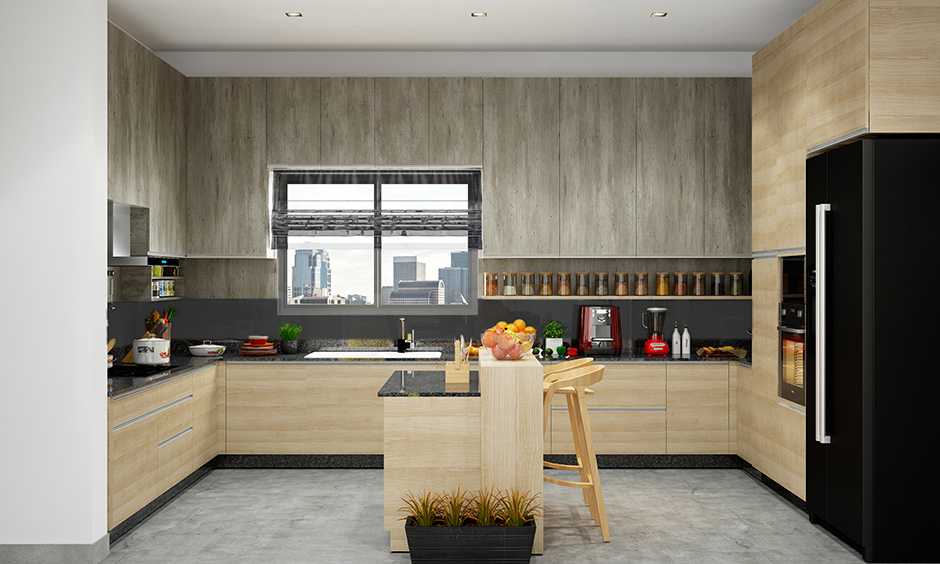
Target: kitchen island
[487,434]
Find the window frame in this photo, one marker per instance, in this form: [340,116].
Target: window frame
[377,308]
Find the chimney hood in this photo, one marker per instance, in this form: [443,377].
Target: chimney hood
[129,237]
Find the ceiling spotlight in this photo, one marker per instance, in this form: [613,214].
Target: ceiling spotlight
[293,14]
[477,14]
[658,15]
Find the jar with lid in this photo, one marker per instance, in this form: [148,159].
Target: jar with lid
[509,283]
[528,284]
[681,285]
[640,284]
[564,283]
[717,284]
[662,283]
[600,284]
[736,284]
[490,284]
[698,283]
[545,283]
[621,284]
[582,283]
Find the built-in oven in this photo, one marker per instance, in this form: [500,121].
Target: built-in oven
[791,329]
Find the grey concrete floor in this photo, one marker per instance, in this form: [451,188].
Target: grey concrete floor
[288,516]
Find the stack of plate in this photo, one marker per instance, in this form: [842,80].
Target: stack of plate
[250,349]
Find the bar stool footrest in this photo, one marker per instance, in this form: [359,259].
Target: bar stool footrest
[557,466]
[568,483]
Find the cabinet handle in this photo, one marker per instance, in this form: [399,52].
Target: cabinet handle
[174,437]
[151,413]
[822,211]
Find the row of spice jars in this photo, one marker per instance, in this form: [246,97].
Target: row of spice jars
[529,285]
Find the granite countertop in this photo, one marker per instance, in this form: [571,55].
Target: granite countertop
[427,383]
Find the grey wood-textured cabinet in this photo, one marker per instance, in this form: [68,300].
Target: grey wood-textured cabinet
[456,121]
[670,166]
[598,166]
[293,120]
[521,202]
[227,188]
[347,120]
[401,121]
[146,139]
[727,166]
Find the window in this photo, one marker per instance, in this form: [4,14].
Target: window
[377,242]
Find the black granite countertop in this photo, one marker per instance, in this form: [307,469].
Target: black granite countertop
[427,383]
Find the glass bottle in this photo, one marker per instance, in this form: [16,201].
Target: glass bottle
[528,284]
[640,284]
[545,284]
[662,283]
[582,283]
[717,284]
[698,283]
[490,284]
[509,283]
[681,284]
[621,284]
[736,284]
[600,284]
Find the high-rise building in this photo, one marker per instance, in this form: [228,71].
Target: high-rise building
[407,268]
[455,284]
[311,274]
[459,259]
[418,292]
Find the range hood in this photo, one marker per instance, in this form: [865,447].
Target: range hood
[129,237]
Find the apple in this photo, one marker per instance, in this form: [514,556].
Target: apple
[498,353]
[489,339]
[505,341]
[515,351]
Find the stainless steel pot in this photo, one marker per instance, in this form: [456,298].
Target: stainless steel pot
[151,351]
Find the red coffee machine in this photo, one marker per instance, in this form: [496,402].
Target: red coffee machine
[654,319]
[600,331]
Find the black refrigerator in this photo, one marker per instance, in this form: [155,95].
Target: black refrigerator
[872,363]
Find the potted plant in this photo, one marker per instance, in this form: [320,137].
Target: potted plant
[552,332]
[490,526]
[289,334]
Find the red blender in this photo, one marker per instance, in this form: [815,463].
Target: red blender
[654,319]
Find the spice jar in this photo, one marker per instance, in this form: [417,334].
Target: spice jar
[640,284]
[621,286]
[717,284]
[698,283]
[528,284]
[662,283]
[582,283]
[509,283]
[564,283]
[490,284]
[736,284]
[545,283]
[681,284]
[600,284]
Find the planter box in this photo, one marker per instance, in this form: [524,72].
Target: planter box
[506,545]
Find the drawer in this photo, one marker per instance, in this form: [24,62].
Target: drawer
[134,405]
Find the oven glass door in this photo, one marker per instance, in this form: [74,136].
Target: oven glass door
[791,367]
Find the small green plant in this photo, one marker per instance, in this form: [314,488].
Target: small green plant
[422,510]
[486,508]
[520,508]
[553,330]
[453,507]
[290,332]
[493,508]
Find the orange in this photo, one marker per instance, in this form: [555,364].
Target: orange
[529,329]
[502,325]
[519,325]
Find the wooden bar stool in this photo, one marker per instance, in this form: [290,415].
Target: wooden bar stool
[578,379]
[552,373]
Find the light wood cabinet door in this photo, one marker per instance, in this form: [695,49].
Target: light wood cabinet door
[133,468]
[521,205]
[293,120]
[227,177]
[401,121]
[697,400]
[455,126]
[175,446]
[208,414]
[670,166]
[598,166]
[347,121]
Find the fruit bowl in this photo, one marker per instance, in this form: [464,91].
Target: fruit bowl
[505,344]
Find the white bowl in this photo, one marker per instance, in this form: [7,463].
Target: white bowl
[207,349]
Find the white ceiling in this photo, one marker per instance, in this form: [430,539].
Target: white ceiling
[186,31]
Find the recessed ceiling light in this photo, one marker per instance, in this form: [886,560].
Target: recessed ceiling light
[293,14]
[658,15]
[477,14]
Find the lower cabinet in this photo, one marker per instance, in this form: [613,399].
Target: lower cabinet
[697,409]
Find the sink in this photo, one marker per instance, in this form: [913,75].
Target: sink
[375,353]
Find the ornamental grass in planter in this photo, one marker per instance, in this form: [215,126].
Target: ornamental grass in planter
[489,526]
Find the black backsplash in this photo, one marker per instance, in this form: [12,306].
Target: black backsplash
[236,319]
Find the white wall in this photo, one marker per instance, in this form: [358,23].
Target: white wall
[53,175]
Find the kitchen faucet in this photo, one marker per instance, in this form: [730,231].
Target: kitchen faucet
[404,343]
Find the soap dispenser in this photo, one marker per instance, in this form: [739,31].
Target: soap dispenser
[686,342]
[676,341]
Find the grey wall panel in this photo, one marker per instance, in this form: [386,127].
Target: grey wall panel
[347,110]
[401,121]
[456,121]
[293,120]
[598,166]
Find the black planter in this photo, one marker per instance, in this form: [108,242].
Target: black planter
[504,545]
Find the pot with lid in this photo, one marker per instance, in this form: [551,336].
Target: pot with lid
[151,351]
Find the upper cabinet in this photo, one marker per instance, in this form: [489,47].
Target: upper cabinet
[293,120]
[347,121]
[401,121]
[455,126]
[227,187]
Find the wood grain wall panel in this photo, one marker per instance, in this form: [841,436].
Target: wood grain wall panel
[293,120]
[227,175]
[598,165]
[521,204]
[904,69]
[455,121]
[208,279]
[727,166]
[670,166]
[347,120]
[697,409]
[401,121]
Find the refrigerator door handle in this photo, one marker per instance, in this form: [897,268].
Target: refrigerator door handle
[822,211]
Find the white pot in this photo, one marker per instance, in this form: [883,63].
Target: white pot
[552,344]
[151,351]
[207,349]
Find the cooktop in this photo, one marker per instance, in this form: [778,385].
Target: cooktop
[137,370]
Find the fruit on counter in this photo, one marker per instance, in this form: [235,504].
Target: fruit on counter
[518,325]
[498,353]
[509,340]
[572,352]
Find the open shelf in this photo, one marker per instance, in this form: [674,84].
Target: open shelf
[592,297]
